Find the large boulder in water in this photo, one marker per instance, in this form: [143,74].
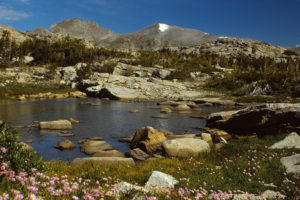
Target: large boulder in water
[148,139]
[90,147]
[56,125]
[260,119]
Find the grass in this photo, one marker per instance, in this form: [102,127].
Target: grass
[241,167]
[13,89]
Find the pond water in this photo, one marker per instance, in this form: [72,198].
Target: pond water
[109,119]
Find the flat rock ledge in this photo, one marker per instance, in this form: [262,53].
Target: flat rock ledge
[103,160]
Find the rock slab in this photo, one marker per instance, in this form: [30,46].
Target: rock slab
[185,147]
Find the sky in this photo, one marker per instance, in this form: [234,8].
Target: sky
[272,21]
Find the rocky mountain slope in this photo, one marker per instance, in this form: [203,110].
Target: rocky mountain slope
[179,36]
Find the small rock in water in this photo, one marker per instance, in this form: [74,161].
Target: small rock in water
[65,145]
[28,141]
[134,111]
[165,110]
[74,121]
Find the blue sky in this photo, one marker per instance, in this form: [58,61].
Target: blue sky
[272,21]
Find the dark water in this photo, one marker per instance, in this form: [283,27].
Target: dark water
[109,119]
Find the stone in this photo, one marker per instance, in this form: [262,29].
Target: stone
[125,140]
[185,147]
[165,110]
[265,119]
[90,147]
[65,145]
[225,115]
[207,137]
[269,194]
[291,141]
[73,121]
[69,74]
[103,161]
[109,153]
[181,136]
[159,180]
[217,135]
[137,154]
[56,125]
[134,111]
[148,139]
[182,107]
[291,163]
[128,186]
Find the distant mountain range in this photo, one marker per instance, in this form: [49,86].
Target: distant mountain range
[154,37]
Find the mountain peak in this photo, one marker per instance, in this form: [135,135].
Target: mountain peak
[163,27]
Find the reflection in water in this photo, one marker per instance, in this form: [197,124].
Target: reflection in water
[108,119]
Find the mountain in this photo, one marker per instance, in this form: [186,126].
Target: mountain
[87,30]
[179,36]
[40,31]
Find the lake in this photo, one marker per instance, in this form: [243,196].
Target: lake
[108,119]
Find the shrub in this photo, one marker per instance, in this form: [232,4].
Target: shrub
[15,154]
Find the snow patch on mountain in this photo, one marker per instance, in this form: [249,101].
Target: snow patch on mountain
[163,27]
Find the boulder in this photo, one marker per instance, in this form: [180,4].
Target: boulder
[90,146]
[260,119]
[109,153]
[159,180]
[165,110]
[148,139]
[56,125]
[291,163]
[185,147]
[291,141]
[182,107]
[118,92]
[207,138]
[103,160]
[65,145]
[137,154]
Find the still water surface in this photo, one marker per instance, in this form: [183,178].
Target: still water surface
[109,119]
